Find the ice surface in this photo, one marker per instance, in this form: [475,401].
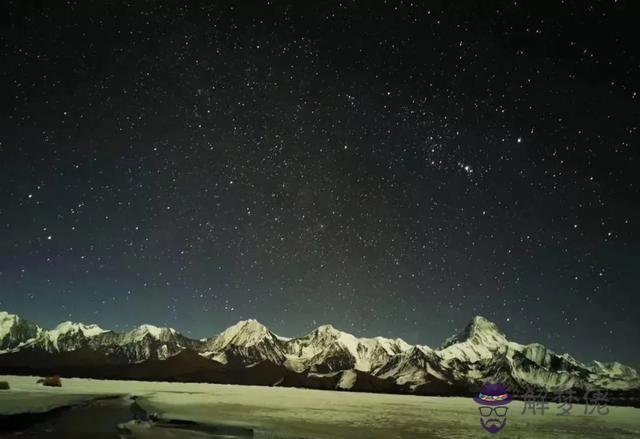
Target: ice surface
[26,396]
[319,414]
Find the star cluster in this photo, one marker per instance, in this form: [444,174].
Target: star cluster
[391,168]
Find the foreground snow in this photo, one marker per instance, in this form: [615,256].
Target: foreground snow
[318,414]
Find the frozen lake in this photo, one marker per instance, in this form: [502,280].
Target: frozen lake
[212,410]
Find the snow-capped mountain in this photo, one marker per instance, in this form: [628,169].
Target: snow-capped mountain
[613,370]
[326,358]
[482,353]
[146,342]
[478,341]
[417,366]
[67,336]
[247,342]
[327,349]
[15,331]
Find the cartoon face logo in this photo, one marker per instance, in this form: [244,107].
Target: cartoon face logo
[493,413]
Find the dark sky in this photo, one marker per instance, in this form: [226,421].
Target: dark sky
[392,169]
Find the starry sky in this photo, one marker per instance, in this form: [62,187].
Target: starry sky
[392,168]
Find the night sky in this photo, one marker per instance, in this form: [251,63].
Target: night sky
[392,169]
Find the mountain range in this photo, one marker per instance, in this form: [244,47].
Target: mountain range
[327,358]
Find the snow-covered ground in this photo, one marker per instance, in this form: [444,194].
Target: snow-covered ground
[320,414]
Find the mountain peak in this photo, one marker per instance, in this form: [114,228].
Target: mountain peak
[152,330]
[7,320]
[249,325]
[68,326]
[330,332]
[326,329]
[480,329]
[14,330]
[481,324]
[419,350]
[245,332]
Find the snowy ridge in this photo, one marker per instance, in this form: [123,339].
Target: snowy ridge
[66,327]
[330,357]
[142,343]
[15,332]
[152,331]
[329,349]
[476,342]
[74,334]
[247,342]
[417,366]
[146,342]
[244,333]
